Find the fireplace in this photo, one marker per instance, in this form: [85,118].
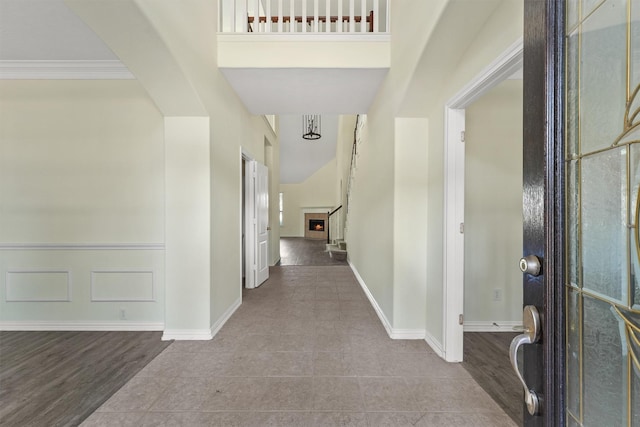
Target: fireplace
[316,225]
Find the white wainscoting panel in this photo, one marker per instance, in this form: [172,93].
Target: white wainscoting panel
[38,286]
[122,286]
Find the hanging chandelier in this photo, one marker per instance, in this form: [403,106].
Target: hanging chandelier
[311,127]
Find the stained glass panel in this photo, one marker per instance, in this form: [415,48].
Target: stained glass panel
[604,223]
[605,373]
[603,80]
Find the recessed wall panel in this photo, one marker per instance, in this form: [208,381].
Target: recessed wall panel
[122,286]
[37,286]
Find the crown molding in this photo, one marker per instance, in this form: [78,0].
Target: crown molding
[64,70]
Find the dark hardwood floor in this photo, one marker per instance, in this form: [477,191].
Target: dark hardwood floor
[301,251]
[486,358]
[60,378]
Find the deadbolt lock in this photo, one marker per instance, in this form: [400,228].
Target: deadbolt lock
[531,265]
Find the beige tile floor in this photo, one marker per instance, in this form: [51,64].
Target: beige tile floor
[304,349]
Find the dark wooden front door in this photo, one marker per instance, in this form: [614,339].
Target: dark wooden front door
[543,361]
[581,210]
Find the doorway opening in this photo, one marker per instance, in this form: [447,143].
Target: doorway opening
[502,68]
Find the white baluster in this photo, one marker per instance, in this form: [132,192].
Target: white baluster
[241,16]
[280,23]
[267,14]
[327,16]
[256,14]
[352,23]
[304,16]
[339,23]
[316,21]
[292,16]
[363,16]
[376,16]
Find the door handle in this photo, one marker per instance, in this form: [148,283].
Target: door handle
[531,319]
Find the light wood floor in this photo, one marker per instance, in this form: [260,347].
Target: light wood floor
[60,378]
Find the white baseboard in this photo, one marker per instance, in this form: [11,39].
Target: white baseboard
[201,334]
[226,316]
[435,345]
[187,334]
[372,300]
[407,334]
[396,334]
[81,326]
[493,326]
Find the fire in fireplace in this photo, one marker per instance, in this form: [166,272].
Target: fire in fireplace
[316,225]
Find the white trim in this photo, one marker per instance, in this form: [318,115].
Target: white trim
[303,37]
[225,317]
[372,300]
[453,251]
[202,334]
[407,334]
[187,334]
[7,284]
[83,246]
[153,287]
[64,70]
[80,326]
[503,67]
[395,334]
[435,345]
[493,326]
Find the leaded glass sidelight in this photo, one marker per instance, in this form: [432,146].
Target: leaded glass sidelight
[602,122]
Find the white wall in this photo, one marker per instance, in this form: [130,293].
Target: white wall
[493,206]
[318,191]
[431,60]
[456,66]
[410,220]
[189,31]
[81,205]
[111,145]
[373,189]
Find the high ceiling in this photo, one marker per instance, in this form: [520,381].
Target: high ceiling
[301,157]
[47,30]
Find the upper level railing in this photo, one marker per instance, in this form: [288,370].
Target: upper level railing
[304,16]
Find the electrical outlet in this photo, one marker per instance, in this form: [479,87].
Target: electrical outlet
[123,314]
[497,294]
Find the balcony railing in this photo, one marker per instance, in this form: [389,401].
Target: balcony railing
[304,16]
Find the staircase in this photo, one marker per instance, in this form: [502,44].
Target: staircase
[337,249]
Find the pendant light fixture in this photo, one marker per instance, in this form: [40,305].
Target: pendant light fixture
[311,127]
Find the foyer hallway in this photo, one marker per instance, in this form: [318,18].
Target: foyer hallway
[304,349]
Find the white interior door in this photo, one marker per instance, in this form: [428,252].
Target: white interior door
[262,222]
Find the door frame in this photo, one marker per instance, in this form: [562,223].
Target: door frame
[248,230]
[505,65]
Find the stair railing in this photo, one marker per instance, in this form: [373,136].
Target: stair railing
[290,16]
[329,220]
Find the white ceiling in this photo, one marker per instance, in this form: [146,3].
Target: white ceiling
[47,30]
[298,90]
[299,158]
